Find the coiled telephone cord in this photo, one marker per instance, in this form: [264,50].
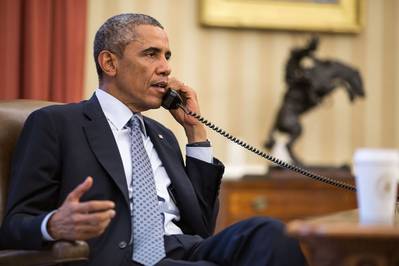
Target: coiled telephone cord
[269,157]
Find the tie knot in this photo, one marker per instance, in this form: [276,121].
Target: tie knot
[136,123]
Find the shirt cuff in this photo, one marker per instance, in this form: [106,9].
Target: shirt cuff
[43,227]
[201,153]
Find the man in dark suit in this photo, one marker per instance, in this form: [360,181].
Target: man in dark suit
[74,170]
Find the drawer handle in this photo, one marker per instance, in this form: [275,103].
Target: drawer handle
[259,204]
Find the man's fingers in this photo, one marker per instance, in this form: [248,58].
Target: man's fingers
[81,189]
[86,231]
[82,226]
[81,220]
[94,206]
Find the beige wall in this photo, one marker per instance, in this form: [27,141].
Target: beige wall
[239,77]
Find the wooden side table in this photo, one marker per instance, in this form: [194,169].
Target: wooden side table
[284,195]
[339,240]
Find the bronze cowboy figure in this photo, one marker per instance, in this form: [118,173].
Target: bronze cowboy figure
[307,86]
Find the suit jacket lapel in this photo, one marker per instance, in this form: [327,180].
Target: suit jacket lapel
[102,142]
[184,191]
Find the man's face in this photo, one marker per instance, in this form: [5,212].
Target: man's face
[142,72]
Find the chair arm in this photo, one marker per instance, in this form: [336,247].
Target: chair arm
[59,252]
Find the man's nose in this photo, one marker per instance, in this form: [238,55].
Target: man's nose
[164,68]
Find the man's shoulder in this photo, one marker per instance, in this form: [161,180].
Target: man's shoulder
[58,114]
[155,124]
[61,109]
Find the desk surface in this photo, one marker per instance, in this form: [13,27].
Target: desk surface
[344,223]
[339,239]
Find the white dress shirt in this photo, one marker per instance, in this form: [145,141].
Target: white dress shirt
[118,115]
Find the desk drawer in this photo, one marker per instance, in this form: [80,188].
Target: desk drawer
[281,198]
[287,204]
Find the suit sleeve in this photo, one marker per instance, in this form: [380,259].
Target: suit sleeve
[34,184]
[206,179]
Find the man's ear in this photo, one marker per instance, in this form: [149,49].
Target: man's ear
[108,62]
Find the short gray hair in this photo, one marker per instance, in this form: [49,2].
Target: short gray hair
[117,32]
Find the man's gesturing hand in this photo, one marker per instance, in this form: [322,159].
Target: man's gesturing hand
[76,220]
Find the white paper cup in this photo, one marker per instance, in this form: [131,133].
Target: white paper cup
[376,172]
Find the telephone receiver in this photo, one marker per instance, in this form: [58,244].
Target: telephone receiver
[173,100]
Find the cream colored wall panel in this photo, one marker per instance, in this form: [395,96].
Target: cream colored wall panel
[219,75]
[342,110]
[248,87]
[373,74]
[388,74]
[395,78]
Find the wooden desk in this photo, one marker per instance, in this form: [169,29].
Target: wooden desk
[339,240]
[284,195]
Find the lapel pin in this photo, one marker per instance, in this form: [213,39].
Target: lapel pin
[160,136]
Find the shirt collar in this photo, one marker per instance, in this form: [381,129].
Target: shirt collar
[116,111]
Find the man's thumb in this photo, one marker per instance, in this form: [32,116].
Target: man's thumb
[81,189]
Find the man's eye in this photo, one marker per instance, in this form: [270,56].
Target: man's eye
[151,54]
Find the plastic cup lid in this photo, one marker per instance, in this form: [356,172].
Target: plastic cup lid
[376,155]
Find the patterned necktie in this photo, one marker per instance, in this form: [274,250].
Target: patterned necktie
[148,242]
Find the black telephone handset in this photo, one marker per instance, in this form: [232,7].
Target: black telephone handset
[173,100]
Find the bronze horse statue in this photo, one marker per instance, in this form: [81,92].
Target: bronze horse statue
[307,87]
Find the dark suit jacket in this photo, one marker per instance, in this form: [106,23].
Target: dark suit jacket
[61,145]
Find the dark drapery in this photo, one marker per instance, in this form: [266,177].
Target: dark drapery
[42,45]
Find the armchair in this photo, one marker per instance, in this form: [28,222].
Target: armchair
[12,117]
